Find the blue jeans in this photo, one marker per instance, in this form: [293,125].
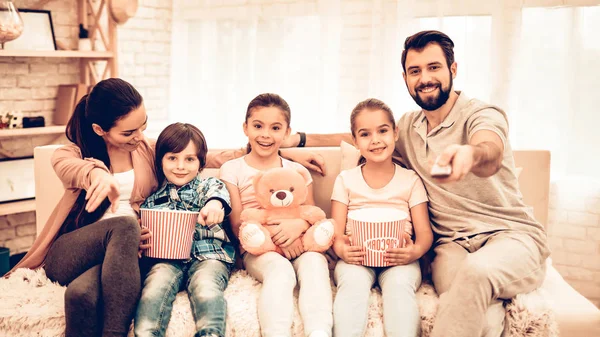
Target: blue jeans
[205,282]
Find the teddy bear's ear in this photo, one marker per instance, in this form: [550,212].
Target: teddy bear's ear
[257,178]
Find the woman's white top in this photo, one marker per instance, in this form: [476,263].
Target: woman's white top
[125,180]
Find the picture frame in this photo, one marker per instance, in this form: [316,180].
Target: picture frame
[38,32]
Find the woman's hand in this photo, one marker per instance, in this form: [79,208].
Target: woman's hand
[350,254]
[401,256]
[294,250]
[212,213]
[103,185]
[286,231]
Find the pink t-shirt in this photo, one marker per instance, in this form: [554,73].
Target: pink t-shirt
[237,172]
[403,192]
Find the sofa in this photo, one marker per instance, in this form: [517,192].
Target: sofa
[32,305]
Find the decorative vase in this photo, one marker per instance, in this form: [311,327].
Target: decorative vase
[11,24]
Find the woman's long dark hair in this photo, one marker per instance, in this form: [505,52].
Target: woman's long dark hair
[175,138]
[109,101]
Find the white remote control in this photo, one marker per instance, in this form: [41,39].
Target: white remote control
[440,171]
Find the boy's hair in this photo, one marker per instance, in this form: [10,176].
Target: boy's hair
[420,40]
[175,138]
[268,100]
[372,104]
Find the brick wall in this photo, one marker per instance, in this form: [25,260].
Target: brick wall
[30,84]
[574,234]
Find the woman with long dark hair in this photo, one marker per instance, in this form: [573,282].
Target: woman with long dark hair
[91,241]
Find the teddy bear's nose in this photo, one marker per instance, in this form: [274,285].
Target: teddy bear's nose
[280,195]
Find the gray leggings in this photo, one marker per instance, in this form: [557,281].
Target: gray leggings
[99,265]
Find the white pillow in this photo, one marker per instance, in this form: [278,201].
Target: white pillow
[350,156]
[518,171]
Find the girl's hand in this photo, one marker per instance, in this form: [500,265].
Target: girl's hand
[294,250]
[350,254]
[103,185]
[212,213]
[146,234]
[286,231]
[401,256]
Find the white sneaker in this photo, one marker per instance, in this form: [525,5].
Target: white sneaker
[318,333]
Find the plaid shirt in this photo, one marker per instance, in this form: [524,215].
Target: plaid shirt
[210,242]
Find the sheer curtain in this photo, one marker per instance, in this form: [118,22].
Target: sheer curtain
[225,56]
[537,59]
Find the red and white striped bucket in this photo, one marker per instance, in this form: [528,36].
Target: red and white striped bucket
[172,232]
[376,230]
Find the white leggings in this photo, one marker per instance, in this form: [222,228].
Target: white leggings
[398,288]
[276,301]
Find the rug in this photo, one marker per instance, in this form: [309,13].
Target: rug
[32,305]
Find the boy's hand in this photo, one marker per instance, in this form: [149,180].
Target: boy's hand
[146,234]
[350,254]
[401,256]
[212,213]
[294,250]
[286,231]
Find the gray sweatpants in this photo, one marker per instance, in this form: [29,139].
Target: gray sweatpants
[99,265]
[473,275]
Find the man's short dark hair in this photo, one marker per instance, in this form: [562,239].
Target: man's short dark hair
[420,40]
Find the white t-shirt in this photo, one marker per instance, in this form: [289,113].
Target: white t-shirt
[403,192]
[125,180]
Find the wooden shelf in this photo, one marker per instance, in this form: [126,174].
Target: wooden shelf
[17,207]
[59,53]
[46,130]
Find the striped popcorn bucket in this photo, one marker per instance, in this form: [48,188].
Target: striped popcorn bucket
[172,232]
[376,230]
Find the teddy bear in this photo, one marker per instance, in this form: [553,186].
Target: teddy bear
[281,193]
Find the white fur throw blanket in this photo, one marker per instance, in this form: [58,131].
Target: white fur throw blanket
[31,305]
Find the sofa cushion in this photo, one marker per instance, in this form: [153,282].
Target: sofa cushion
[34,306]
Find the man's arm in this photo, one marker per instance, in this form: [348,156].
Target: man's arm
[488,153]
[314,140]
[482,156]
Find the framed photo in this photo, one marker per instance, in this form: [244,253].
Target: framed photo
[38,32]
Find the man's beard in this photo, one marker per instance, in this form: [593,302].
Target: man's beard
[433,103]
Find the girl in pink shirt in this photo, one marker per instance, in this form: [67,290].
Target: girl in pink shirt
[267,125]
[378,182]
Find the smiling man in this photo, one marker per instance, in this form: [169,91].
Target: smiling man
[488,245]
